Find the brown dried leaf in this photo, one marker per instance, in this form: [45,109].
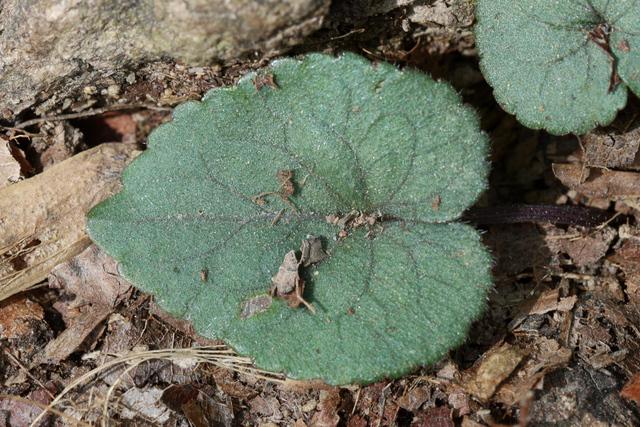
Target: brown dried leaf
[433,417]
[547,355]
[631,389]
[43,216]
[260,406]
[497,364]
[197,406]
[93,278]
[567,304]
[613,185]
[616,145]
[588,249]
[460,404]
[545,302]
[226,381]
[22,413]
[633,288]
[145,402]
[328,410]
[548,301]
[611,150]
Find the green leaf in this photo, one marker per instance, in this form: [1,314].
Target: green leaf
[400,285]
[546,67]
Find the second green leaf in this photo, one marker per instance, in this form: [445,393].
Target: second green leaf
[563,66]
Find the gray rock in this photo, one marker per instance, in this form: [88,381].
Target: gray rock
[51,49]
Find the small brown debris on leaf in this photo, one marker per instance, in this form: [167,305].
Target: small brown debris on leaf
[332,219]
[264,80]
[436,203]
[287,284]
[287,279]
[285,190]
[203,275]
[256,305]
[312,252]
[624,45]
[277,218]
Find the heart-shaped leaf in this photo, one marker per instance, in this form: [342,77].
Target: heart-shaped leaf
[556,64]
[371,160]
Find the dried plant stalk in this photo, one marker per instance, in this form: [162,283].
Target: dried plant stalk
[42,218]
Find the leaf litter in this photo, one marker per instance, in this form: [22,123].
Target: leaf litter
[436,389]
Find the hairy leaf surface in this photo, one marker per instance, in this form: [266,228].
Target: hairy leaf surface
[554,63]
[396,150]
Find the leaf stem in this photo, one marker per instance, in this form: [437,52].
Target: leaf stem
[555,214]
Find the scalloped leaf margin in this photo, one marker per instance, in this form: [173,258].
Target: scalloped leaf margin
[395,292]
[550,62]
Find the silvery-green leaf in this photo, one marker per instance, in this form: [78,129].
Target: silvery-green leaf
[394,292]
